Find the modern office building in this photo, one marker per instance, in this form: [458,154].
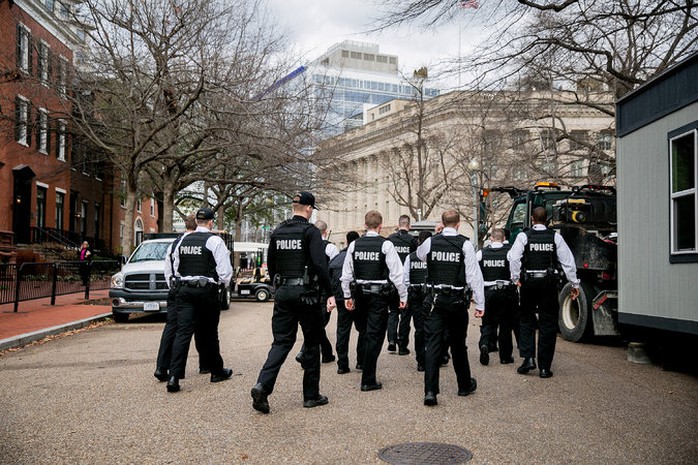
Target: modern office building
[352,77]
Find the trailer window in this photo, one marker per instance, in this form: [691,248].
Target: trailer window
[684,227]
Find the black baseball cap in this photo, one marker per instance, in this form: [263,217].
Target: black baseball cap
[305,198]
[204,214]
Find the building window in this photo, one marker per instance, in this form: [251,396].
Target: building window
[40,207]
[83,218]
[577,139]
[139,204]
[96,220]
[24,50]
[604,140]
[122,193]
[369,57]
[345,53]
[42,131]
[22,120]
[61,140]
[683,158]
[60,202]
[384,109]
[547,139]
[62,76]
[42,62]
[152,206]
[577,169]
[381,58]
[49,5]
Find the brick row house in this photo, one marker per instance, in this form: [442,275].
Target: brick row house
[52,187]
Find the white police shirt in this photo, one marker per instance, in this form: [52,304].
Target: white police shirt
[220,253]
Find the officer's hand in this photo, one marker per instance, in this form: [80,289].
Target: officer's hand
[518,283]
[403,304]
[479,313]
[349,304]
[574,293]
[331,304]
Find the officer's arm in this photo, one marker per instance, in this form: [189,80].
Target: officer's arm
[331,251]
[168,265]
[271,259]
[392,260]
[319,260]
[406,271]
[222,256]
[423,249]
[473,276]
[347,272]
[566,259]
[514,256]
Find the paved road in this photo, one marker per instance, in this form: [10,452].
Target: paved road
[91,398]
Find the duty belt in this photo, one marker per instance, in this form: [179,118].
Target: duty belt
[374,289]
[201,283]
[292,282]
[445,289]
[499,284]
[536,274]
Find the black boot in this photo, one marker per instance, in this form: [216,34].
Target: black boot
[528,364]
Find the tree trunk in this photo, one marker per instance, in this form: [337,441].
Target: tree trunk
[166,215]
[128,239]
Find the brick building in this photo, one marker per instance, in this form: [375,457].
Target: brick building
[52,188]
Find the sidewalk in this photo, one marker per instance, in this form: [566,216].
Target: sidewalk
[37,318]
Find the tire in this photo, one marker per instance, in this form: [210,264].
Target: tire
[225,304]
[575,317]
[262,295]
[120,317]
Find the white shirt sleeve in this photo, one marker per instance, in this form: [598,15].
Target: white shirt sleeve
[566,259]
[331,250]
[406,271]
[514,256]
[394,264]
[222,256]
[473,275]
[347,272]
[424,249]
[168,264]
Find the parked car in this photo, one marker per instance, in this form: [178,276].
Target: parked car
[140,286]
[261,291]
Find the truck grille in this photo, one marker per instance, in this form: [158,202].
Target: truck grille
[145,282]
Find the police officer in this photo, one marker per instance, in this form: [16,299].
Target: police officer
[298,268]
[372,267]
[201,266]
[345,318]
[533,262]
[399,321]
[415,271]
[501,300]
[451,268]
[331,251]
[170,330]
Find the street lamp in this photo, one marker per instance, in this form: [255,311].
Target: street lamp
[474,168]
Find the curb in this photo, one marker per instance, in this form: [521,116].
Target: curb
[23,339]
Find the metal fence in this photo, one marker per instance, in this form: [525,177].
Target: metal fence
[37,280]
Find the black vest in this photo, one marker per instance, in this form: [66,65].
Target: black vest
[291,248]
[418,270]
[369,259]
[404,244]
[445,260]
[194,258]
[540,252]
[494,264]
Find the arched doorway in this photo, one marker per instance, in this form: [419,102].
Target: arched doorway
[137,232]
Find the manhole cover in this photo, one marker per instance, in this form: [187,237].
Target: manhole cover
[424,453]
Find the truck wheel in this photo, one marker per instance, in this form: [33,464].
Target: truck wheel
[120,317]
[575,315]
[262,295]
[225,299]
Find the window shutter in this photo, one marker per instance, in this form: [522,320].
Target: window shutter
[20,31]
[30,47]
[37,127]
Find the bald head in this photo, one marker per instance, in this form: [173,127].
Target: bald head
[322,226]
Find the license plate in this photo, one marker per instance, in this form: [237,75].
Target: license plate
[244,292]
[151,306]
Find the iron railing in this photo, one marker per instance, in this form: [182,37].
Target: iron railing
[36,280]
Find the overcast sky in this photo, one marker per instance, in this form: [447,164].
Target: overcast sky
[315,25]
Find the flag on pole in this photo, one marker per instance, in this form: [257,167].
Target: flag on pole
[469,4]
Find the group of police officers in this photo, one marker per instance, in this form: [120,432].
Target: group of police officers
[380,285]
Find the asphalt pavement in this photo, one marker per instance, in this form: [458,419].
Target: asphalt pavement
[90,397]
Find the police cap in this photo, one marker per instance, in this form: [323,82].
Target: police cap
[305,198]
[204,214]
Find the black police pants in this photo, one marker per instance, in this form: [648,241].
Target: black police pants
[499,321]
[415,301]
[168,336]
[345,319]
[196,309]
[446,312]
[393,320]
[289,312]
[541,299]
[374,308]
[325,344]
